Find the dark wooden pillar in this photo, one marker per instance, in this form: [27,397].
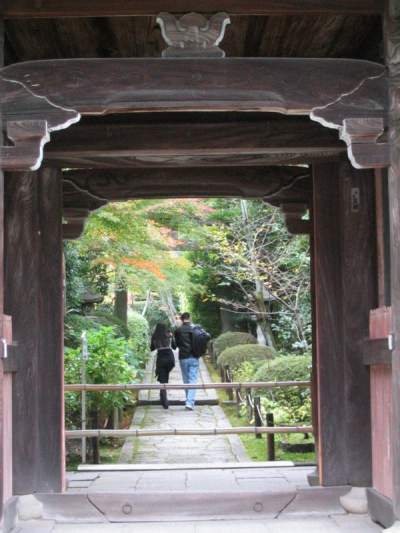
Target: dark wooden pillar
[5,333]
[392,42]
[33,259]
[329,325]
[344,248]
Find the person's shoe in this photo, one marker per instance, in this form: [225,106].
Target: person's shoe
[189,407]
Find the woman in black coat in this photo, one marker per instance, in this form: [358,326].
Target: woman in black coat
[163,341]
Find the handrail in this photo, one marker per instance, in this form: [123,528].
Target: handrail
[92,387]
[123,433]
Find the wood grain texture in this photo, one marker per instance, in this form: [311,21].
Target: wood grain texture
[380,326]
[359,296]
[101,8]
[272,183]
[376,352]
[34,277]
[392,43]
[6,458]
[344,293]
[125,85]
[329,326]
[98,143]
[310,35]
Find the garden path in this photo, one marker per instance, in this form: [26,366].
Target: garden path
[180,449]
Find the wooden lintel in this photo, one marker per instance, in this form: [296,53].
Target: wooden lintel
[277,184]
[377,352]
[102,8]
[115,85]
[187,143]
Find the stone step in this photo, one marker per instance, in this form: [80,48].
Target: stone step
[169,505]
[200,401]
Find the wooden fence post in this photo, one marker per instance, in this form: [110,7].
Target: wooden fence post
[257,414]
[270,437]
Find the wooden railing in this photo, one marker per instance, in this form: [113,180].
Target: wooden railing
[242,392]
[253,405]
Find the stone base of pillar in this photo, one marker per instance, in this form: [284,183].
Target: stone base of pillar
[355,501]
[395,528]
[29,508]
[313,478]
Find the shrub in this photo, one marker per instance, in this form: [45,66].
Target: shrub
[236,355]
[139,338]
[107,363]
[107,318]
[74,325]
[232,338]
[290,405]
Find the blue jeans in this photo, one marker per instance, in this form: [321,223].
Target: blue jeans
[190,369]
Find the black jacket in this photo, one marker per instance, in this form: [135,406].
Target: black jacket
[183,338]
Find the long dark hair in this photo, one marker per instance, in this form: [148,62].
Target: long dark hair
[161,337]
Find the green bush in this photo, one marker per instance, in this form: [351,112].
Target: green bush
[232,338]
[107,318]
[290,405]
[107,363]
[74,325]
[139,338]
[236,355]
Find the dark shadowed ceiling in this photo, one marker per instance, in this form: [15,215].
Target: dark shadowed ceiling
[352,36]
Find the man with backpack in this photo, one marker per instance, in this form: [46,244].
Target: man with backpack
[192,343]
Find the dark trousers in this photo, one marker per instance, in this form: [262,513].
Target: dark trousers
[165,363]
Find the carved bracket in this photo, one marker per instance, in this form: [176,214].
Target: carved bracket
[293,213]
[360,116]
[77,206]
[362,136]
[193,35]
[29,138]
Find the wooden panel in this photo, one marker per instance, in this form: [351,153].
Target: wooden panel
[34,298]
[329,326]
[101,8]
[294,86]
[359,296]
[327,35]
[376,352]
[6,459]
[392,36]
[381,411]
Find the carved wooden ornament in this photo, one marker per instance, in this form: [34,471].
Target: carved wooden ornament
[28,135]
[193,35]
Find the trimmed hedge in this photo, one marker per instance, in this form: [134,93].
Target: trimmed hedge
[285,368]
[232,338]
[290,405]
[236,355]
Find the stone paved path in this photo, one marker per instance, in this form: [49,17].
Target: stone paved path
[179,449]
[208,396]
[347,524]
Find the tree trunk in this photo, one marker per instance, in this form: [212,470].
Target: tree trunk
[121,305]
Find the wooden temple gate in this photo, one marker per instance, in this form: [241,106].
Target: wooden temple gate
[302,134]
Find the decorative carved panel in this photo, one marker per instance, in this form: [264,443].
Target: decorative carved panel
[193,35]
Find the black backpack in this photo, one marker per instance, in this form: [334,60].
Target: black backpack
[200,340]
